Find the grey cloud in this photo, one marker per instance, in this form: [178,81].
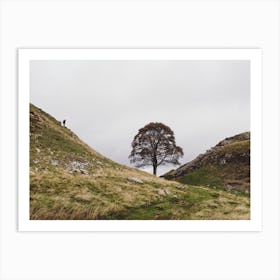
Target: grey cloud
[106,102]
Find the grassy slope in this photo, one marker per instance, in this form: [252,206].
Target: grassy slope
[58,190]
[235,173]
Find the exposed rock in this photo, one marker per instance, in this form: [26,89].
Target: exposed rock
[168,191]
[230,158]
[74,170]
[79,164]
[79,171]
[229,187]
[227,155]
[161,192]
[84,172]
[135,180]
[79,167]
[54,162]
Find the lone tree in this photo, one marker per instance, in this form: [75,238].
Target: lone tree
[155,145]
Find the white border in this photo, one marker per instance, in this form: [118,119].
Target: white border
[254,55]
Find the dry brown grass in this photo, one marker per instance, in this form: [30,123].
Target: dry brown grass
[105,191]
[66,196]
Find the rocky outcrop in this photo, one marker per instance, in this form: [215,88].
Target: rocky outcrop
[230,159]
[135,180]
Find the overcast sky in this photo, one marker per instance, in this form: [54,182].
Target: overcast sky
[106,102]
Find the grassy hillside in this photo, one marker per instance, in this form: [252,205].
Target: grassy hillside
[227,165]
[69,180]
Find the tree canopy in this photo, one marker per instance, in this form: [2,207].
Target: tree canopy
[155,145]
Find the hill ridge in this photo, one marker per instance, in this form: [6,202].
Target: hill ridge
[71,181]
[231,155]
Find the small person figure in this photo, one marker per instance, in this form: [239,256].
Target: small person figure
[64,121]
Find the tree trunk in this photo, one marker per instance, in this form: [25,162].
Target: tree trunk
[154,169]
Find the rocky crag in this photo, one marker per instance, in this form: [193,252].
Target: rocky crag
[226,165]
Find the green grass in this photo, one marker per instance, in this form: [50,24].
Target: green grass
[66,196]
[196,204]
[236,147]
[220,176]
[227,166]
[203,176]
[52,138]
[105,192]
